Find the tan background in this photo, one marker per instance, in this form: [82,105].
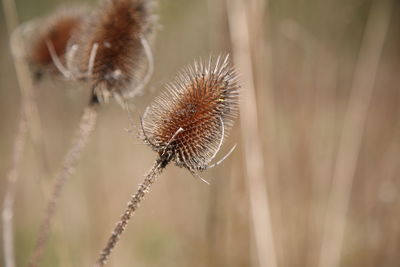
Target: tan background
[183,222]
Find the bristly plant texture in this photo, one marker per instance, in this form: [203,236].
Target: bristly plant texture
[112,46]
[202,101]
[187,125]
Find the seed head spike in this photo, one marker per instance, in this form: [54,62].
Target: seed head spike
[202,101]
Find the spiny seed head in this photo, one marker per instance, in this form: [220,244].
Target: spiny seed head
[188,121]
[116,29]
[56,30]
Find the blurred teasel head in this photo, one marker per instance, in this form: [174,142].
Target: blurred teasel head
[50,38]
[188,122]
[111,50]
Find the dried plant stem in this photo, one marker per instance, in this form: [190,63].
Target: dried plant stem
[71,159]
[25,82]
[29,117]
[352,133]
[8,204]
[133,205]
[259,202]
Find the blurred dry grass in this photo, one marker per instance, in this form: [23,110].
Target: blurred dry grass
[304,65]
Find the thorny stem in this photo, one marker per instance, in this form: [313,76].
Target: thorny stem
[133,205]
[86,127]
[8,204]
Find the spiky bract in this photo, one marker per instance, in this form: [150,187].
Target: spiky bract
[202,101]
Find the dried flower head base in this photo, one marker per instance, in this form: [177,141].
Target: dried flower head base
[186,124]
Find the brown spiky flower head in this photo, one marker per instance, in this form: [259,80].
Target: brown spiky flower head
[50,41]
[188,122]
[112,46]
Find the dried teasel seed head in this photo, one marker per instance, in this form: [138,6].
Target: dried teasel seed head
[110,48]
[56,31]
[188,122]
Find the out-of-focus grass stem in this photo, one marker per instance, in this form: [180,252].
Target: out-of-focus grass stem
[28,118]
[254,159]
[71,159]
[352,132]
[8,202]
[25,82]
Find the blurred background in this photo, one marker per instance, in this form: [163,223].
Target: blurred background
[314,181]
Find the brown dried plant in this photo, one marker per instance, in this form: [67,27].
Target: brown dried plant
[186,124]
[48,48]
[111,47]
[107,50]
